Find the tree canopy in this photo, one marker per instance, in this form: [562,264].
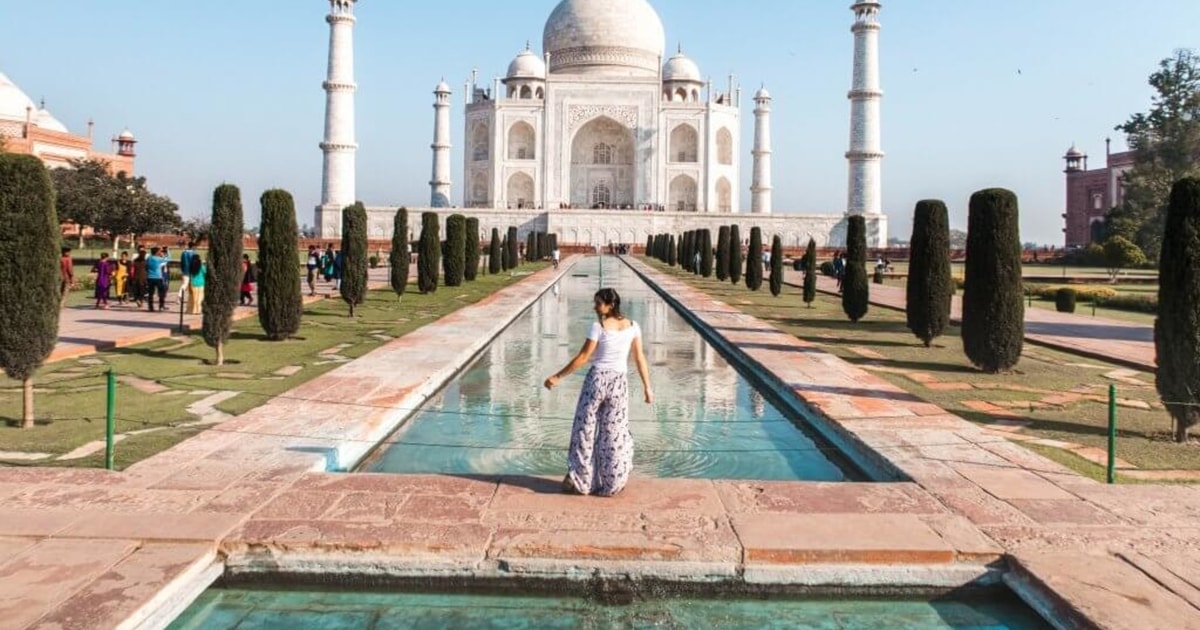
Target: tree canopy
[113,205]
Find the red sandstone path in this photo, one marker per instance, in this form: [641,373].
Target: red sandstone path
[1117,341]
[83,330]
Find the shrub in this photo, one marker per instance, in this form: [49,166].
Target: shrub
[471,266]
[495,253]
[776,280]
[224,281]
[1083,293]
[353,286]
[514,259]
[1177,329]
[30,299]
[827,269]
[735,255]
[993,306]
[1119,253]
[877,276]
[429,256]
[1064,300]
[856,292]
[455,261]
[723,253]
[373,261]
[280,305]
[810,273]
[754,266]
[706,253]
[930,285]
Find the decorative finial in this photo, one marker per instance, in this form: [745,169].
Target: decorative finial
[528,46]
[43,103]
[679,48]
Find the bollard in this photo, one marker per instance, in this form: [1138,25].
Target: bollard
[110,421]
[181,301]
[1112,433]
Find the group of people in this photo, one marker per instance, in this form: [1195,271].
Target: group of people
[145,278]
[328,264]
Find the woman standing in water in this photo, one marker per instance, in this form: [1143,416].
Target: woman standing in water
[601,454]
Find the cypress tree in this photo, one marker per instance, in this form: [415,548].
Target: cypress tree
[471,269]
[649,246]
[398,258]
[279,302]
[30,300]
[754,270]
[776,282]
[430,254]
[514,259]
[706,253]
[495,253]
[1177,328]
[678,240]
[354,256]
[456,250]
[735,255]
[504,261]
[856,289]
[929,280]
[810,273]
[993,306]
[669,249]
[687,251]
[723,253]
[531,247]
[224,268]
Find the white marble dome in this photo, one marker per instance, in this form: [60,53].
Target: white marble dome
[527,65]
[680,68]
[610,37]
[13,102]
[762,93]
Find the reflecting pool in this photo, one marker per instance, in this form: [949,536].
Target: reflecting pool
[707,420]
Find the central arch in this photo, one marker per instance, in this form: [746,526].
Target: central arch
[602,165]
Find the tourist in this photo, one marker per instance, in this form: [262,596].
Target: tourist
[839,268]
[66,275]
[247,295]
[104,273]
[554,256]
[121,277]
[186,262]
[155,267]
[327,262]
[196,285]
[137,277]
[313,262]
[601,453]
[339,265]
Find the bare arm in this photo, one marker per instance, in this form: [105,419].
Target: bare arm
[643,368]
[580,360]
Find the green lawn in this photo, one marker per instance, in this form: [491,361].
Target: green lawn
[1144,435]
[70,395]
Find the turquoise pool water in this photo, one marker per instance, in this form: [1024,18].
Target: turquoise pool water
[260,609]
[707,421]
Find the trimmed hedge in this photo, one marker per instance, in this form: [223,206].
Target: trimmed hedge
[856,292]
[993,304]
[495,253]
[455,262]
[398,258]
[280,304]
[353,286]
[723,253]
[471,270]
[810,273]
[929,284]
[735,254]
[706,253]
[429,256]
[754,266]
[224,268]
[1064,300]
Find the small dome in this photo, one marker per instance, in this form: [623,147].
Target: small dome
[680,68]
[46,120]
[126,135]
[610,37]
[762,93]
[527,65]
[1074,152]
[442,87]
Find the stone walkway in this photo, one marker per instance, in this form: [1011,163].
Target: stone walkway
[1112,340]
[83,330]
[87,549]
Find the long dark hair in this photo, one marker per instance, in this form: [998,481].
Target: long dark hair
[610,298]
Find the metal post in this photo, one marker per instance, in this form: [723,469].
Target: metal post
[110,421]
[182,299]
[1112,433]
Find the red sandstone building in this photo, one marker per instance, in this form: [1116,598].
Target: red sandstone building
[1092,193]
[31,129]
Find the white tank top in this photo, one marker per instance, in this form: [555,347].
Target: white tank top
[612,346]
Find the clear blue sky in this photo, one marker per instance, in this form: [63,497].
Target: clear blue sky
[230,91]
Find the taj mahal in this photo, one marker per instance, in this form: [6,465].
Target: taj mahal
[601,138]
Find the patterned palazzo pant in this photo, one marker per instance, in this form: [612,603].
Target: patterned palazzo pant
[601,455]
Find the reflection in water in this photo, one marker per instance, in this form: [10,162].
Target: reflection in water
[707,421]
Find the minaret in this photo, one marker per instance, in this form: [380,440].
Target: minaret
[337,181]
[760,190]
[865,154]
[439,184]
